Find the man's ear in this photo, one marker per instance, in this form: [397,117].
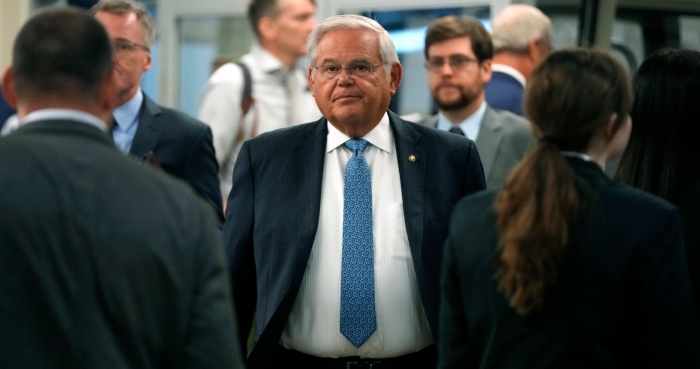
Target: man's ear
[609,130]
[9,89]
[396,75]
[109,95]
[267,28]
[311,80]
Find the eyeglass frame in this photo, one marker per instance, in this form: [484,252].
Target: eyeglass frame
[451,61]
[372,68]
[132,46]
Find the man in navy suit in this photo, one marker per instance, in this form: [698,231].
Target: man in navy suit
[179,144]
[521,40]
[335,228]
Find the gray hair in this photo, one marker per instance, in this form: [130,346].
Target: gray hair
[120,7]
[387,51]
[514,27]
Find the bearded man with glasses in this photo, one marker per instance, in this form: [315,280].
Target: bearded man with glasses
[334,229]
[458,51]
[179,144]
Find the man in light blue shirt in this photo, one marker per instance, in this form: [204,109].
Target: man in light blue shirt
[458,53]
[177,143]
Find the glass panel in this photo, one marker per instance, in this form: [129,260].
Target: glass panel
[206,42]
[690,32]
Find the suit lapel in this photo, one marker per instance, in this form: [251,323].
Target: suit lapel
[490,136]
[149,130]
[310,151]
[412,175]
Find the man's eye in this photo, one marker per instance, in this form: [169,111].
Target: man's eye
[459,61]
[331,69]
[437,63]
[360,67]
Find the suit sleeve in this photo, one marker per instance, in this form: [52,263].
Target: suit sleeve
[211,340]
[202,171]
[238,241]
[475,180]
[666,331]
[454,339]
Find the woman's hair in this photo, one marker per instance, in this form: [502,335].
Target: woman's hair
[568,98]
[663,144]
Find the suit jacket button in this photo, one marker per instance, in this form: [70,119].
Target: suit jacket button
[411,158]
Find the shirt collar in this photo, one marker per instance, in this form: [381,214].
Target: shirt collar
[68,114]
[268,63]
[473,120]
[380,136]
[126,114]
[509,71]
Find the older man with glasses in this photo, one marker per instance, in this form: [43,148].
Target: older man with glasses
[458,52]
[177,143]
[334,229]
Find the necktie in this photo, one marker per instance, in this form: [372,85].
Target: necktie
[456,130]
[357,315]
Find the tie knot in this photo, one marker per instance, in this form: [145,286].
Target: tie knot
[356,145]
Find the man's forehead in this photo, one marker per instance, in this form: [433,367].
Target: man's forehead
[453,46]
[291,7]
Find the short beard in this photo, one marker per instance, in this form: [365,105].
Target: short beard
[458,104]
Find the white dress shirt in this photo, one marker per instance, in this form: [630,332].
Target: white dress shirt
[282,98]
[313,326]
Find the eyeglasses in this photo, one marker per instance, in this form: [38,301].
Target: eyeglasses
[359,70]
[125,46]
[457,63]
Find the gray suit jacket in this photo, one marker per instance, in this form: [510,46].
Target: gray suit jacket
[503,140]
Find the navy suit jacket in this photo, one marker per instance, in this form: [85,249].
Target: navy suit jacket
[622,297]
[273,209]
[504,92]
[182,145]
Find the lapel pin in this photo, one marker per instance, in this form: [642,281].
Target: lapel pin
[411,158]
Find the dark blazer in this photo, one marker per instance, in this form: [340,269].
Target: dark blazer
[687,198]
[182,145]
[273,209]
[105,263]
[505,93]
[503,140]
[622,298]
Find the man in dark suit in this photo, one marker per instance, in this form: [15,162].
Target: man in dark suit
[103,263]
[335,228]
[178,143]
[458,52]
[521,40]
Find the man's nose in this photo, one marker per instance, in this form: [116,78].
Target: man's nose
[344,77]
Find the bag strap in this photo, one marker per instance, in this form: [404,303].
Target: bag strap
[247,96]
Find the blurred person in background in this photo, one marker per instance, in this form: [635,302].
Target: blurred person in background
[177,143]
[267,88]
[458,54]
[662,154]
[521,40]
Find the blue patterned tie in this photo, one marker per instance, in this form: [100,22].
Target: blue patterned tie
[357,317]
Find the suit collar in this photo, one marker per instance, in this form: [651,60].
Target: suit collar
[149,129]
[380,136]
[57,127]
[489,139]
